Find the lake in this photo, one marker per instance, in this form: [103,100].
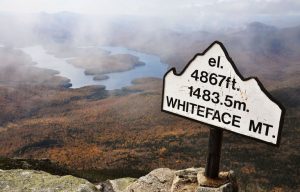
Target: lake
[153,67]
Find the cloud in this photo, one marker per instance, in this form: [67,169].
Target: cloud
[152,7]
[192,13]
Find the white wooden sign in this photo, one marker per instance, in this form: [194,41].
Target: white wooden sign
[211,90]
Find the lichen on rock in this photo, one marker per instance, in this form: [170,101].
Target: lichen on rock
[18,180]
[158,180]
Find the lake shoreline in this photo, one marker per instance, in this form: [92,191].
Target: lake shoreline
[137,65]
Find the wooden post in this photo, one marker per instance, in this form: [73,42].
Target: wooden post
[214,153]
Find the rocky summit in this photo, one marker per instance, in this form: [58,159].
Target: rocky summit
[158,180]
[167,180]
[19,180]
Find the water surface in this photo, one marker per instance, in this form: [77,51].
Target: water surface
[153,67]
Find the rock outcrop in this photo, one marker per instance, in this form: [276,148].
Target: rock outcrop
[19,180]
[167,180]
[158,180]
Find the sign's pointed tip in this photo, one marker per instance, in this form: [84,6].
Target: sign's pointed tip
[218,44]
[172,71]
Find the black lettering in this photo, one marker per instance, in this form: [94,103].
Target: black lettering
[193,107]
[200,110]
[171,101]
[228,81]
[187,107]
[219,58]
[208,112]
[223,118]
[216,116]
[236,119]
[255,128]
[181,105]
[212,62]
[267,128]
[233,84]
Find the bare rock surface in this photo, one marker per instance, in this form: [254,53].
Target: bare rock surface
[19,180]
[158,180]
[186,180]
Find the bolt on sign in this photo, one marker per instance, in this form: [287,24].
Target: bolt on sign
[211,90]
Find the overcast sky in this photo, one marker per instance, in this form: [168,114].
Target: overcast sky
[273,7]
[233,11]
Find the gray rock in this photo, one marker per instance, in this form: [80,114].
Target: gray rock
[226,183]
[120,185]
[158,180]
[186,180]
[223,188]
[116,185]
[18,180]
[105,187]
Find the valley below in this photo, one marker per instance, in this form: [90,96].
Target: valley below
[114,127]
[110,134]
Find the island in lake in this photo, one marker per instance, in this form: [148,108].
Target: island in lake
[113,67]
